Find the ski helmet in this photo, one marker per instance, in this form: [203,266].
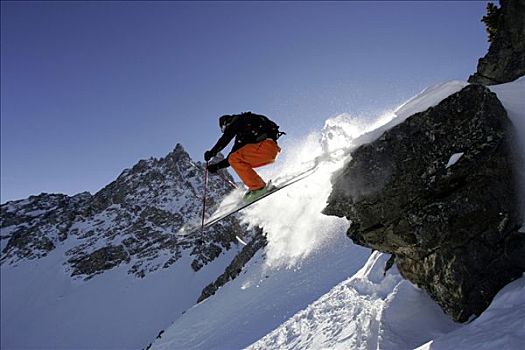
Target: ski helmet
[224,121]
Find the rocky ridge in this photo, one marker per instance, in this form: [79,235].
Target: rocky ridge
[505,60]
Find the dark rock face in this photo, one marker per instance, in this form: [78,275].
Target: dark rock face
[453,227]
[505,60]
[99,261]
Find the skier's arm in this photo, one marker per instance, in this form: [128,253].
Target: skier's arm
[223,142]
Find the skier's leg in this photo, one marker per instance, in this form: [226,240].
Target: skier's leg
[251,156]
[245,171]
[260,154]
[265,153]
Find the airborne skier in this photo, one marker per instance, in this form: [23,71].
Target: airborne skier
[255,146]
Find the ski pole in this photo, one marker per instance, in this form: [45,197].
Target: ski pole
[204,197]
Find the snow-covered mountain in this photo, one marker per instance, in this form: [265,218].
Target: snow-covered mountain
[437,182]
[75,267]
[115,270]
[135,219]
[122,268]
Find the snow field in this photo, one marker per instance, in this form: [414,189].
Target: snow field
[500,327]
[46,308]
[370,310]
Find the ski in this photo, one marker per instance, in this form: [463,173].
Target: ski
[243,205]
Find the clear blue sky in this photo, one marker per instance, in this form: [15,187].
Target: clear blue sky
[90,88]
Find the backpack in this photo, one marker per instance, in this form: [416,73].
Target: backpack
[259,128]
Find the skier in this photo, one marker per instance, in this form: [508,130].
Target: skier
[255,146]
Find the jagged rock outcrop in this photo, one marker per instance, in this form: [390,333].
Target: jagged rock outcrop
[134,221]
[439,192]
[505,60]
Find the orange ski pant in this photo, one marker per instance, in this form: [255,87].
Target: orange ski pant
[251,156]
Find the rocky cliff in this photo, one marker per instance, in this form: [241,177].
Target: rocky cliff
[505,60]
[439,193]
[135,221]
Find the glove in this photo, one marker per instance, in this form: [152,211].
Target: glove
[208,155]
[213,168]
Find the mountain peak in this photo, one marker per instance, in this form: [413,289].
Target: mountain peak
[178,154]
[179,149]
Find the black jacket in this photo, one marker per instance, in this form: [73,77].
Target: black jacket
[246,129]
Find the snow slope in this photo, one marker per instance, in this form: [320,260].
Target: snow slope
[261,299]
[394,312]
[367,311]
[308,254]
[501,326]
[286,297]
[46,308]
[386,315]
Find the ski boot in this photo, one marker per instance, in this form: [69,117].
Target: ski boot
[253,195]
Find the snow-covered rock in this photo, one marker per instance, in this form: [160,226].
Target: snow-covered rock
[451,221]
